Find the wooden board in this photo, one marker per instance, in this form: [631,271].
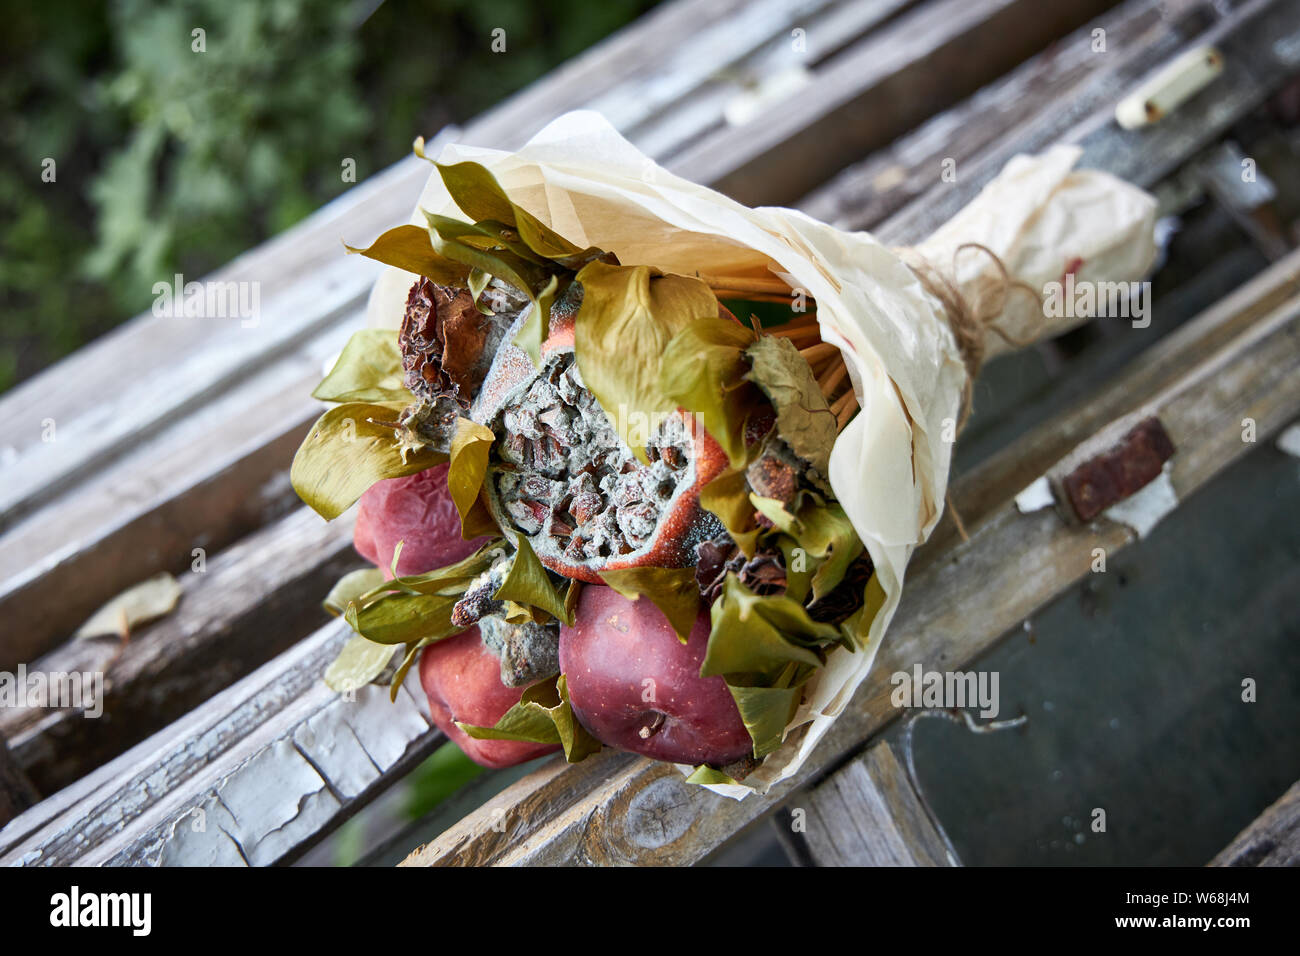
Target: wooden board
[868,814]
[253,601]
[1261,47]
[122,812]
[916,65]
[1273,839]
[1039,100]
[256,775]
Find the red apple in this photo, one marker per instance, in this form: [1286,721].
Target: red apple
[635,686]
[418,511]
[462,679]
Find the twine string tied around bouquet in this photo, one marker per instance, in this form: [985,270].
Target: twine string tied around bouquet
[971,321]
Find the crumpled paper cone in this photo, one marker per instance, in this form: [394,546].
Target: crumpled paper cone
[889,466]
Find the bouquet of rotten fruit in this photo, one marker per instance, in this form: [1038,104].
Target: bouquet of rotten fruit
[639,467]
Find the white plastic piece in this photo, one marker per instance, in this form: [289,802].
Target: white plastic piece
[1036,497]
[1289,440]
[1145,509]
[1178,81]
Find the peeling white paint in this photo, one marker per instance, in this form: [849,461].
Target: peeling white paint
[1146,508]
[1289,440]
[1036,497]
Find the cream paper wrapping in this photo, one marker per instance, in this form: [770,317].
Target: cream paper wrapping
[889,466]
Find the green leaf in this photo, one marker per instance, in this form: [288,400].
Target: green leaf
[476,191]
[857,629]
[703,371]
[727,497]
[359,662]
[404,618]
[470,447]
[544,716]
[535,329]
[571,595]
[409,247]
[827,532]
[449,581]
[350,448]
[766,712]
[478,281]
[399,676]
[803,419]
[351,587]
[465,243]
[628,316]
[673,590]
[479,195]
[823,530]
[529,584]
[749,633]
[368,370]
[704,774]
[799,568]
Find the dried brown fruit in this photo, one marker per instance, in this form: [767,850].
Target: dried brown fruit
[763,574]
[446,342]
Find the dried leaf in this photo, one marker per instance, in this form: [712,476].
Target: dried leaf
[766,711]
[349,448]
[478,194]
[470,448]
[368,370]
[672,590]
[535,329]
[359,662]
[727,497]
[403,618]
[352,587]
[144,602]
[628,316]
[409,248]
[803,419]
[703,371]
[543,716]
[748,634]
[528,584]
[706,775]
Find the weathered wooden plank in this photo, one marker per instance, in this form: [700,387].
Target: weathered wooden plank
[868,814]
[1043,97]
[911,68]
[164,762]
[959,604]
[255,775]
[772,51]
[16,791]
[201,481]
[1261,47]
[251,602]
[1273,839]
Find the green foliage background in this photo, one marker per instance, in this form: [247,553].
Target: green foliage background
[170,160]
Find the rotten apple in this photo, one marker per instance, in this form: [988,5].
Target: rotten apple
[462,679]
[635,686]
[418,511]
